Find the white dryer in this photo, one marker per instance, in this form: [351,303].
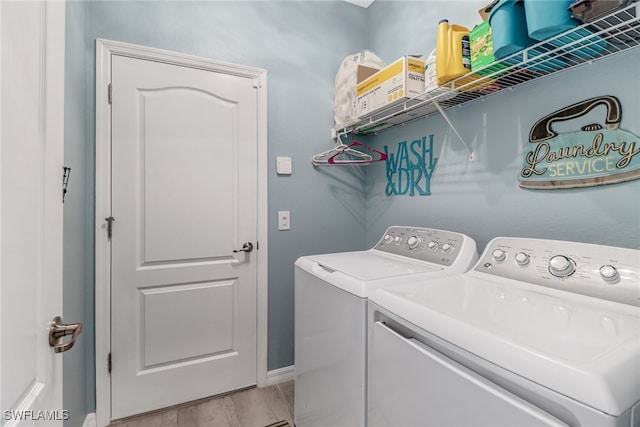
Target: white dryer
[539,333]
[330,315]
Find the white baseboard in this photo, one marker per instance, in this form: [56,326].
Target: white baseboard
[90,420]
[281,375]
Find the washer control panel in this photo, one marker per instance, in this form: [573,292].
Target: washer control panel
[437,246]
[599,271]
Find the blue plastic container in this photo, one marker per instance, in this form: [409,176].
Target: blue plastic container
[509,32]
[544,65]
[509,28]
[547,18]
[580,42]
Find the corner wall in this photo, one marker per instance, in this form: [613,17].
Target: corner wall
[300,44]
[79,376]
[481,197]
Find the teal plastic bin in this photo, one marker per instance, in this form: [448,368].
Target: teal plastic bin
[547,18]
[538,63]
[581,43]
[509,28]
[509,32]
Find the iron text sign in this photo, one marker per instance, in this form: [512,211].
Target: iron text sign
[595,155]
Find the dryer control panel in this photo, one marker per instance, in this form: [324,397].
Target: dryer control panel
[604,272]
[426,244]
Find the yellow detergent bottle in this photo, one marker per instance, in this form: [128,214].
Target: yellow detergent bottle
[453,57]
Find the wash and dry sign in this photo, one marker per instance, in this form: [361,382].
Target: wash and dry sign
[597,154]
[410,167]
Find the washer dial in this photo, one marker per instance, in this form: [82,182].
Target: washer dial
[432,246]
[561,266]
[609,273]
[447,248]
[413,242]
[522,259]
[499,255]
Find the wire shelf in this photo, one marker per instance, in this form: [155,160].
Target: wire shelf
[609,35]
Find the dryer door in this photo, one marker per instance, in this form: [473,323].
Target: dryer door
[411,384]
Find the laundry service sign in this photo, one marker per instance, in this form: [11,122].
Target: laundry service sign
[597,154]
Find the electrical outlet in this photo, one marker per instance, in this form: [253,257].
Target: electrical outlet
[284,220]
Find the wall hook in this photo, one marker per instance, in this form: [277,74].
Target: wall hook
[66,173]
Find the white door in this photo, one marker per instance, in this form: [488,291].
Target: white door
[184,199]
[31,168]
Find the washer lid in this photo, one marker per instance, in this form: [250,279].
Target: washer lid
[372,265]
[362,272]
[582,347]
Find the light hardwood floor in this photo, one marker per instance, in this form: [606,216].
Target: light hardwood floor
[253,407]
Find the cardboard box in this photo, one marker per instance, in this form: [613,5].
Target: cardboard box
[402,80]
[364,72]
[484,12]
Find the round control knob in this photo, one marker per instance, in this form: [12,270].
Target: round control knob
[387,238]
[413,242]
[447,248]
[499,255]
[609,273]
[522,259]
[432,246]
[561,266]
[397,240]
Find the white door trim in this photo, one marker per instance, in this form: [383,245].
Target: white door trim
[104,50]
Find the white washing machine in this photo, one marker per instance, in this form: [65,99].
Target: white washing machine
[330,315]
[539,333]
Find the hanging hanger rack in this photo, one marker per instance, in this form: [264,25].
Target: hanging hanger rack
[353,156]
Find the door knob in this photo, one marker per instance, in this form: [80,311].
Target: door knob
[58,330]
[246,247]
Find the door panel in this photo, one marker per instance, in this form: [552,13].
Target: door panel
[184,197]
[182,157]
[204,310]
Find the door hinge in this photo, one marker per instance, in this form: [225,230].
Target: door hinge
[110,93]
[109,220]
[109,362]
[257,83]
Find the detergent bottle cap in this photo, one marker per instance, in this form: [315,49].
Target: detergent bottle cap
[443,20]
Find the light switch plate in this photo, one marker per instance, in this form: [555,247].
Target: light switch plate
[283,165]
[284,220]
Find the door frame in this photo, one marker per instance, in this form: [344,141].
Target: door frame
[105,49]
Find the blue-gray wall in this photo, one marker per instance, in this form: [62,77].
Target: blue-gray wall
[78,295]
[301,44]
[481,198]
